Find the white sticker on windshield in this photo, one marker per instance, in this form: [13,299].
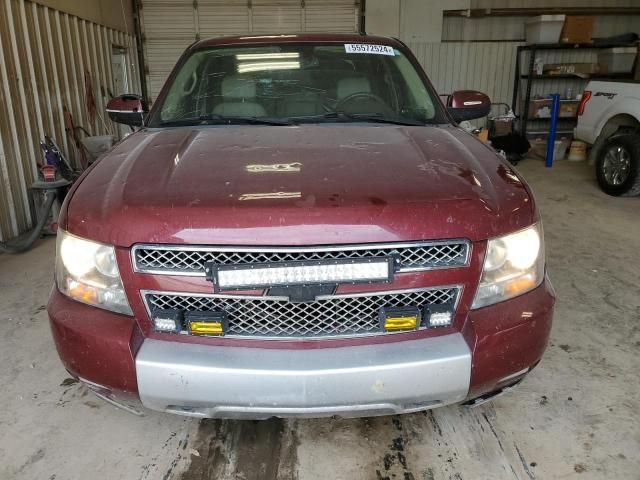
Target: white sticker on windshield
[368,48]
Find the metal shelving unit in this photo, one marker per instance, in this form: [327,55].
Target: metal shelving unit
[523,81]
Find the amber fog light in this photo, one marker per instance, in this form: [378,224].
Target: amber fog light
[399,318]
[206,323]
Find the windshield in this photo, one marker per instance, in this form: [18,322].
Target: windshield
[286,84]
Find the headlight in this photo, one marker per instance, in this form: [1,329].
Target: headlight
[513,265]
[88,272]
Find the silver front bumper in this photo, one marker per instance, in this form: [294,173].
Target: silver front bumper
[232,382]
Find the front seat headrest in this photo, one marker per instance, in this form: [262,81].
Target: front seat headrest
[350,85]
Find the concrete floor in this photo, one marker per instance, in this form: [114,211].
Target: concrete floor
[575,416]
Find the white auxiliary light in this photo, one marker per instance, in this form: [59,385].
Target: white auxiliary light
[439,315]
[165,324]
[302,273]
[440,319]
[167,320]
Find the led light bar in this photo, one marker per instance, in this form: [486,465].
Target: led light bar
[243,277]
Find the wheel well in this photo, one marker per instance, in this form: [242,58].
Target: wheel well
[622,123]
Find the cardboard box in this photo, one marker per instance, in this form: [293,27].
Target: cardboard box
[538,148]
[502,127]
[578,69]
[577,29]
[568,108]
[538,142]
[540,108]
[483,134]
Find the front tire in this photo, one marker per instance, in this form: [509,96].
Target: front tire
[618,165]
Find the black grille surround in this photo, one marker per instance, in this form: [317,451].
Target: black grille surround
[190,260]
[330,316]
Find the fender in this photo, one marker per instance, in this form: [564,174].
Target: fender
[621,105]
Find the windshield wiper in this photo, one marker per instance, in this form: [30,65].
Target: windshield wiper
[359,117]
[215,119]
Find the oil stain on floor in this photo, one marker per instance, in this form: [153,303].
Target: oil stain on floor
[243,449]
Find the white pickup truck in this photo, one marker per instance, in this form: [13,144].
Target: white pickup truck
[609,120]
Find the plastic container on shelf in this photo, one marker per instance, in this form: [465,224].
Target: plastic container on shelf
[544,28]
[617,59]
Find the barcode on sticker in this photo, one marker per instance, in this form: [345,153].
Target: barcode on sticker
[368,48]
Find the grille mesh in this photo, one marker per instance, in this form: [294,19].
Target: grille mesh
[281,318]
[190,261]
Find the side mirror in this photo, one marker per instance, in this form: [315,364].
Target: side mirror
[467,105]
[128,109]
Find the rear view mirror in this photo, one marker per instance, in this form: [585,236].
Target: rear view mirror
[467,105]
[127,109]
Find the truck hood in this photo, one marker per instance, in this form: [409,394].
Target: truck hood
[298,185]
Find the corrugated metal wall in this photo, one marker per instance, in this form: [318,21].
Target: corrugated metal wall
[488,66]
[44,54]
[169,26]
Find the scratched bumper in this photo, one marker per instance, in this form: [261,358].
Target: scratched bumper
[231,382]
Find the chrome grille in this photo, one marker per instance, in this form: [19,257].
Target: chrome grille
[178,260]
[334,315]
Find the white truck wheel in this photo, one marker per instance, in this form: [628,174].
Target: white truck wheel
[618,165]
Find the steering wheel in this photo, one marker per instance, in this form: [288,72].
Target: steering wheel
[360,96]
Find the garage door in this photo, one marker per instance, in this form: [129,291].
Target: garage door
[169,26]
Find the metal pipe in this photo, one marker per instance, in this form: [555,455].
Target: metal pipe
[527,12]
[140,50]
[553,124]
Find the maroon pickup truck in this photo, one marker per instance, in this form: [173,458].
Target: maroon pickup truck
[299,228]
